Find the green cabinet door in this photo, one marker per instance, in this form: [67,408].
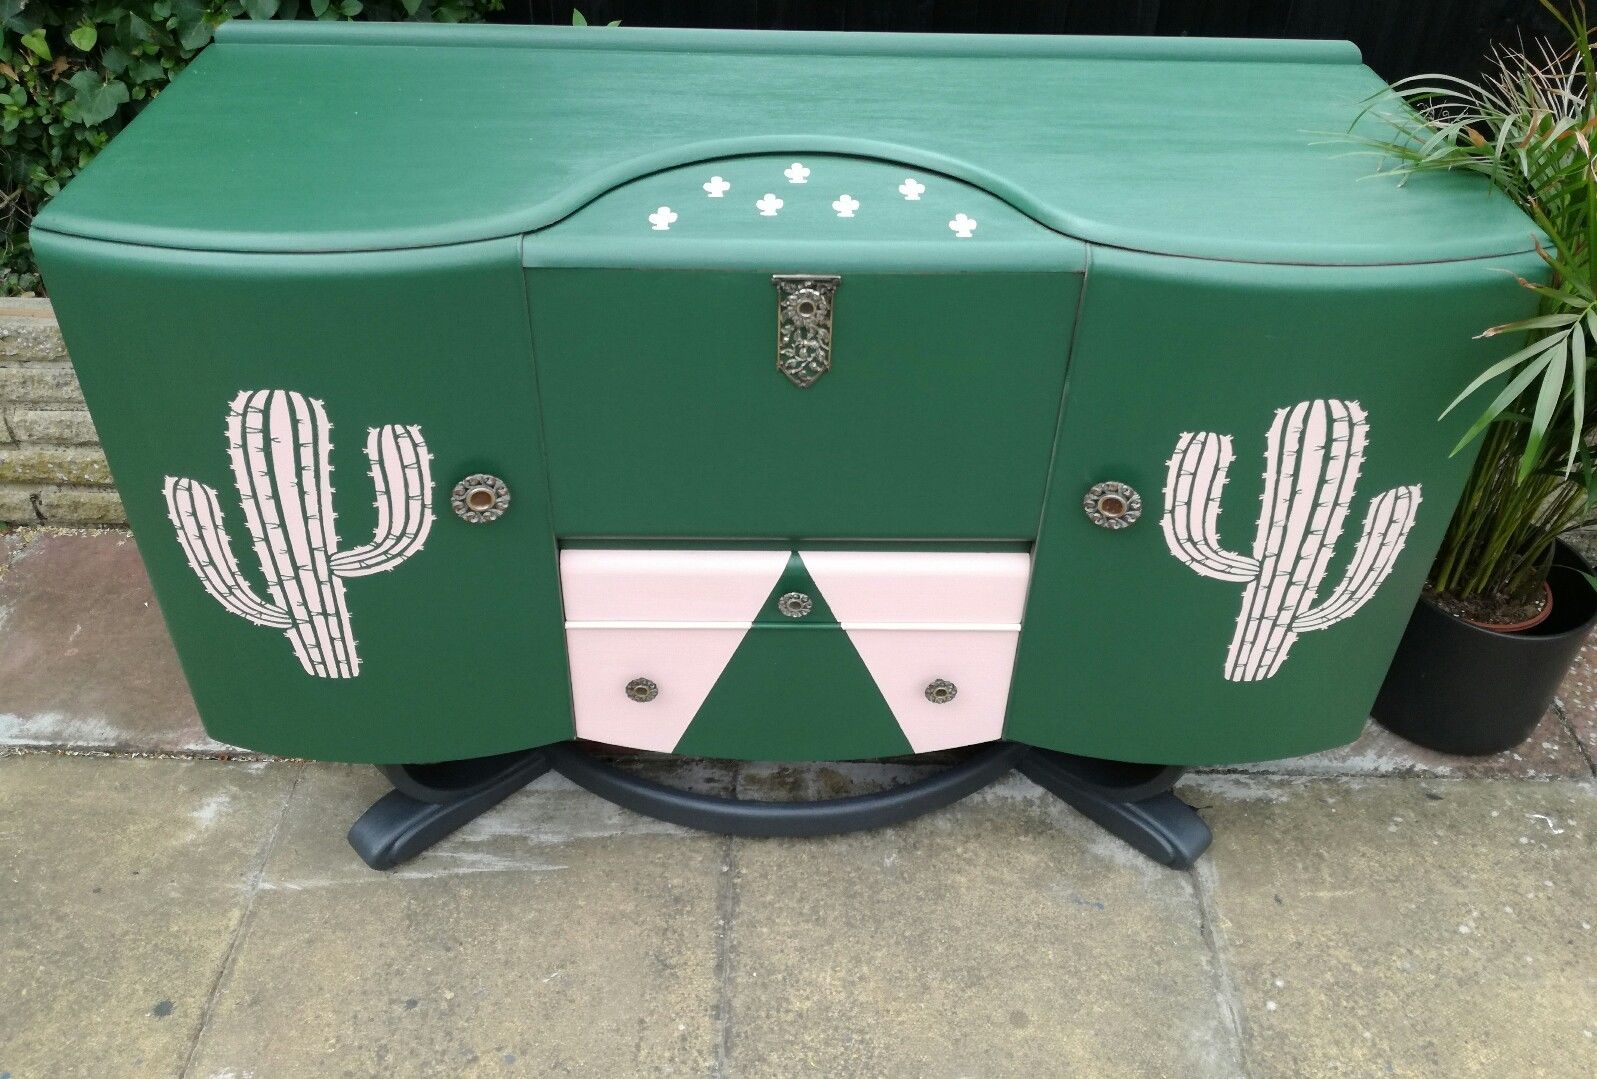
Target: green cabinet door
[285,432]
[655,334]
[1280,424]
[935,421]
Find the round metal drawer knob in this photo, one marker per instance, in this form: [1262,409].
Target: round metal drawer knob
[941,691]
[1112,505]
[480,498]
[642,690]
[795,604]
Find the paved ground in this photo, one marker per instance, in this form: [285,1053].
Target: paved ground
[1374,911]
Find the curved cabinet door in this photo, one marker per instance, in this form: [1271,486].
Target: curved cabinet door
[1281,426]
[285,432]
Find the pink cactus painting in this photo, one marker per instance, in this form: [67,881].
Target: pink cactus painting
[279,443]
[1313,454]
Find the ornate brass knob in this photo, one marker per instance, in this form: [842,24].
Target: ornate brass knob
[642,690]
[480,498]
[941,691]
[1112,505]
[795,604]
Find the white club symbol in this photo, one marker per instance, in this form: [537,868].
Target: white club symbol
[846,205]
[716,187]
[768,205]
[661,219]
[963,226]
[796,173]
[911,189]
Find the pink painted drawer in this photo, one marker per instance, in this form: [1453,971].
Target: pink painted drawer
[922,586]
[885,631]
[674,586]
[732,585]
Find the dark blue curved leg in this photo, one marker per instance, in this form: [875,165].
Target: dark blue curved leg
[432,801]
[1131,801]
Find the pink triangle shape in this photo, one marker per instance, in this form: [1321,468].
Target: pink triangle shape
[978,662]
[683,663]
[914,591]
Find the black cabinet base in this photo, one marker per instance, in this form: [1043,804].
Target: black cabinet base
[1131,801]
[400,825]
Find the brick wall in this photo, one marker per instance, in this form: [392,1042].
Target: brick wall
[51,467]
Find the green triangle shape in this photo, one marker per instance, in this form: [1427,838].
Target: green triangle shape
[795,690]
[795,578]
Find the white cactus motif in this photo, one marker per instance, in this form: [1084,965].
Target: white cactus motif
[279,444]
[1313,453]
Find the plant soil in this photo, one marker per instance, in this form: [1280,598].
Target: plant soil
[1489,609]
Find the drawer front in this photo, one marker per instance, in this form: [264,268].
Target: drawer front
[896,652]
[922,588]
[667,586]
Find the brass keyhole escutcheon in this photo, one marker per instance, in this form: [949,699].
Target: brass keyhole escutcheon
[642,690]
[804,307]
[1112,504]
[480,498]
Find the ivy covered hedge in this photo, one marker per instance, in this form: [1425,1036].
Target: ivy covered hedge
[74,72]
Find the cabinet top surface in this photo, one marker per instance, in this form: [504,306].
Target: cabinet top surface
[291,137]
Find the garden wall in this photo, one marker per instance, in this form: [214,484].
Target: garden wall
[51,467]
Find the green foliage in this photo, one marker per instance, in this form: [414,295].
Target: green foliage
[74,72]
[1529,126]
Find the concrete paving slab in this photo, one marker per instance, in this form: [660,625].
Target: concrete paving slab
[1550,752]
[85,660]
[1412,928]
[525,832]
[514,951]
[122,883]
[1578,698]
[1003,936]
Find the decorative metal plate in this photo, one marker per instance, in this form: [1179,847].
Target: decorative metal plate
[642,690]
[804,326]
[795,604]
[1112,505]
[480,498]
[941,691]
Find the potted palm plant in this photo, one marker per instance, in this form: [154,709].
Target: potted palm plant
[1507,606]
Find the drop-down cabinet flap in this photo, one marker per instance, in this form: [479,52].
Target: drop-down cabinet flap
[800,345]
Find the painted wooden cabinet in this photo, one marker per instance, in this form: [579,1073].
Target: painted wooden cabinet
[783,396]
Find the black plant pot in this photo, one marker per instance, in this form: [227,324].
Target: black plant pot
[1457,688]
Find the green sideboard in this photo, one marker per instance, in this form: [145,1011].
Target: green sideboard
[1097,371]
